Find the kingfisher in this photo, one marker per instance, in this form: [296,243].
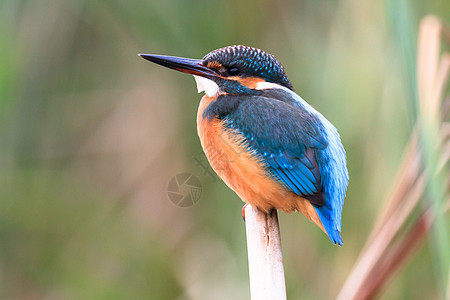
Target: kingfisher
[271,147]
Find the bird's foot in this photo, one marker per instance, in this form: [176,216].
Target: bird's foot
[243,211]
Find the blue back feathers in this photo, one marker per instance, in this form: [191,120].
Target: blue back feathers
[299,147]
[296,144]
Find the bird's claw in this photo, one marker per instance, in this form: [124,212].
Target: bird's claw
[243,211]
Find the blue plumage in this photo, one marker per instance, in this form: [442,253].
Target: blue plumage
[249,91]
[251,62]
[299,147]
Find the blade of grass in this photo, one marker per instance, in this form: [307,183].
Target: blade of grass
[380,258]
[397,255]
[432,76]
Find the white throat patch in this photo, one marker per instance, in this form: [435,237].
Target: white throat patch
[210,87]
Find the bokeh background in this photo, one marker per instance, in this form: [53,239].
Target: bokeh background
[90,136]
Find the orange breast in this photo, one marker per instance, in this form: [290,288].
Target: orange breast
[243,172]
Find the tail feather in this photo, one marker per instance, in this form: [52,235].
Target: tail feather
[331,228]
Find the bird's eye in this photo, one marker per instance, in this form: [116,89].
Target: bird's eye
[233,71]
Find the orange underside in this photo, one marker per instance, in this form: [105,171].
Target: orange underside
[242,171]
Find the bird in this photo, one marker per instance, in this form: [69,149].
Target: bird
[271,147]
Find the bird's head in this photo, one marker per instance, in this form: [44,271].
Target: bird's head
[229,70]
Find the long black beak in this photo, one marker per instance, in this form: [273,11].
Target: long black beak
[185,65]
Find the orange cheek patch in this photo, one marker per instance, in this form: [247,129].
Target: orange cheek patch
[249,82]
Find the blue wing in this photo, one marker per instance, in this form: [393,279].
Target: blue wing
[300,174]
[293,144]
[286,139]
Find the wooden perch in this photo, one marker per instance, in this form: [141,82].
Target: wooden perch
[265,259]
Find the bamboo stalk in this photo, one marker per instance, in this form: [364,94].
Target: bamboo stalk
[265,259]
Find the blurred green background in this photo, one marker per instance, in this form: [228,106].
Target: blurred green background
[90,135]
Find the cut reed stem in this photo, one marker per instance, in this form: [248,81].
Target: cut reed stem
[265,259]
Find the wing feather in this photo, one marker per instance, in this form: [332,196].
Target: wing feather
[285,138]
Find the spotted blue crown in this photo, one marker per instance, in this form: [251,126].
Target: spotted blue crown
[251,62]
